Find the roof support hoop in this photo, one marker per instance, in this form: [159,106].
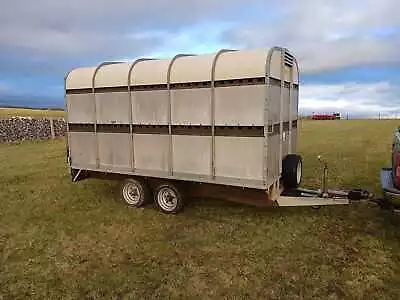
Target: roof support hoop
[214,64]
[170,142]
[281,106]
[95,109]
[267,121]
[132,156]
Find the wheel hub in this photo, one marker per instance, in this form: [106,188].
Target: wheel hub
[131,193]
[167,199]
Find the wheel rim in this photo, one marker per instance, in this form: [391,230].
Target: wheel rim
[298,172]
[131,193]
[167,199]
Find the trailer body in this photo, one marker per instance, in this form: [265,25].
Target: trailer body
[228,118]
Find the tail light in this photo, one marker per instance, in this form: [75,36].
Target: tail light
[397,169]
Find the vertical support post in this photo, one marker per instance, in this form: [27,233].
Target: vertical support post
[66,110]
[131,131]
[291,111]
[266,170]
[131,139]
[282,78]
[170,146]
[53,136]
[214,65]
[95,110]
[212,171]
[299,122]
[170,138]
[96,140]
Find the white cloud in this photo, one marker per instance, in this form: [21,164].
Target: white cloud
[361,99]
[324,34]
[75,27]
[52,36]
[328,35]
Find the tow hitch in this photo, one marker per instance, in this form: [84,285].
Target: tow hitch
[323,196]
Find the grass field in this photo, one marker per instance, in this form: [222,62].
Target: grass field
[22,112]
[79,241]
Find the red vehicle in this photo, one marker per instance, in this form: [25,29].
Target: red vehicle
[332,116]
[390,177]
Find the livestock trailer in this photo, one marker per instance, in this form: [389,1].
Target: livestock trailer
[218,125]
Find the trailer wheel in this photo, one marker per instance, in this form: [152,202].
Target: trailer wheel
[134,192]
[168,198]
[292,169]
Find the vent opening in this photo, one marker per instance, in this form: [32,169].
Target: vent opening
[289,59]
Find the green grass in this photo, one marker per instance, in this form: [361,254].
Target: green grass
[77,241]
[22,112]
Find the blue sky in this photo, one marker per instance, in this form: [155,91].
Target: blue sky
[348,50]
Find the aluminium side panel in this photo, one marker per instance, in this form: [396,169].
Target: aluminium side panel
[295,104]
[151,153]
[274,95]
[82,149]
[286,119]
[273,154]
[191,106]
[192,154]
[239,157]
[81,108]
[112,107]
[150,107]
[239,105]
[294,137]
[286,103]
[114,151]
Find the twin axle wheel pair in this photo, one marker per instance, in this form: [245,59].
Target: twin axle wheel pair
[167,197]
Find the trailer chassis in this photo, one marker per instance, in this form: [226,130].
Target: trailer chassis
[314,198]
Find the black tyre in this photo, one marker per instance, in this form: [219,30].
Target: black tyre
[292,170]
[134,192]
[168,198]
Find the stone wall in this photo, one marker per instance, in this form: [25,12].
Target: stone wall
[16,129]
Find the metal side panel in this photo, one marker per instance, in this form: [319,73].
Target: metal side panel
[240,105]
[274,104]
[82,148]
[81,108]
[294,140]
[112,108]
[239,157]
[191,106]
[150,107]
[285,143]
[114,151]
[273,157]
[286,104]
[295,103]
[151,152]
[192,154]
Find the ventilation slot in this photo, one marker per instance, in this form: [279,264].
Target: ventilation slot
[289,59]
